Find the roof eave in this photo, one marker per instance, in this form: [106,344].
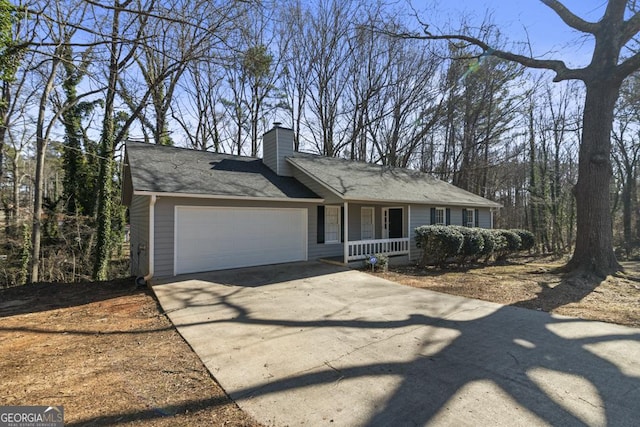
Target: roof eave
[490,204]
[227,197]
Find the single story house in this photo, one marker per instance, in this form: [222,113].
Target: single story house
[193,211]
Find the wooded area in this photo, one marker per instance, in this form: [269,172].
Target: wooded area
[80,77]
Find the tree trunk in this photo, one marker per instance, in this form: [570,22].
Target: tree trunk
[594,245]
[626,206]
[5,101]
[41,151]
[105,179]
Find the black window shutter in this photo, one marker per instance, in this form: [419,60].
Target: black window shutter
[477,218]
[433,216]
[342,224]
[320,224]
[464,217]
[448,216]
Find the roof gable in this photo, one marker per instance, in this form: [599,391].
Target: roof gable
[369,182]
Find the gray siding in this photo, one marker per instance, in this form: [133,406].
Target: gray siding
[139,239]
[456,216]
[320,250]
[165,222]
[269,151]
[420,215]
[277,146]
[484,216]
[355,221]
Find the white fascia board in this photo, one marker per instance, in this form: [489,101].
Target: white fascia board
[223,197]
[491,205]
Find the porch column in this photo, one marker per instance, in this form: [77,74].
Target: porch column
[346,232]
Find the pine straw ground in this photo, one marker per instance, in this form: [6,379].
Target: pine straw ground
[536,283]
[107,353]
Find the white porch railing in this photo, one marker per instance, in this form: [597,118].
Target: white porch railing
[362,249]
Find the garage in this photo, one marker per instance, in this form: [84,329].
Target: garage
[217,238]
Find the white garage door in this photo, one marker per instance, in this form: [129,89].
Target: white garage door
[208,238]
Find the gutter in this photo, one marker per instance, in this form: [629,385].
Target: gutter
[151,243]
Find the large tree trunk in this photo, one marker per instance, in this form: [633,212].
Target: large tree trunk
[594,246]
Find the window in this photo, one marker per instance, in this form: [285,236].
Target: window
[469,218]
[332,224]
[367,227]
[440,217]
[470,222]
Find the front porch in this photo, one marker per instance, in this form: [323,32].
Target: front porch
[364,230]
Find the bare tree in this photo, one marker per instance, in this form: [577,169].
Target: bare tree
[602,79]
[59,33]
[201,91]
[328,29]
[626,156]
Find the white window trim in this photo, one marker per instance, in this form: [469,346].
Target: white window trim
[473,218]
[326,213]
[373,222]
[444,216]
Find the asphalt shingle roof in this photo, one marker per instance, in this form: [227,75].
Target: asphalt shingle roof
[161,169]
[366,181]
[157,168]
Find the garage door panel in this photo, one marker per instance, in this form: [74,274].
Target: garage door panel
[218,238]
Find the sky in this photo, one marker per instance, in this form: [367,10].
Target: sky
[521,19]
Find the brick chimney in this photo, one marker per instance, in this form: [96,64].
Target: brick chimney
[277,143]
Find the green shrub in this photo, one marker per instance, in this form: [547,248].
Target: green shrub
[381,263]
[439,243]
[528,240]
[508,243]
[472,246]
[490,243]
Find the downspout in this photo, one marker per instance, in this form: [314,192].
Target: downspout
[151,243]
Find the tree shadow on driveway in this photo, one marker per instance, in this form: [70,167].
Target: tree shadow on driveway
[424,359]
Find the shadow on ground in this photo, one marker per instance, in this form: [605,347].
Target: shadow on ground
[540,368]
[50,296]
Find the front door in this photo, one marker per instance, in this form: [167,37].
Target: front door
[392,223]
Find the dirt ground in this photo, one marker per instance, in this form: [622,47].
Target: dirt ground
[107,353]
[536,284]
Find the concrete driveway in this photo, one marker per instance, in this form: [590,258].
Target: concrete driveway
[313,344]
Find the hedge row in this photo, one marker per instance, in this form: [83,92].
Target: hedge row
[442,244]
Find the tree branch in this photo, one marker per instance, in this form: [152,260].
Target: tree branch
[629,66]
[559,67]
[630,29]
[570,18]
